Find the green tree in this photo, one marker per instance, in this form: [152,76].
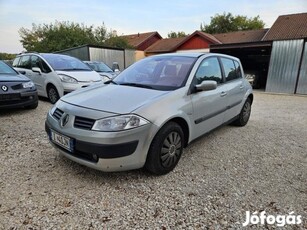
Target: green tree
[223,23]
[6,56]
[62,35]
[179,34]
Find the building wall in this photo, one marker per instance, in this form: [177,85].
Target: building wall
[302,81]
[108,56]
[284,66]
[195,42]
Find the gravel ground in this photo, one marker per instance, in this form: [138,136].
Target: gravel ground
[262,166]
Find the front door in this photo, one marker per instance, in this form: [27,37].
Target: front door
[208,106]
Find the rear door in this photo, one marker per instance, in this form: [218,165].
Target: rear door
[235,87]
[208,106]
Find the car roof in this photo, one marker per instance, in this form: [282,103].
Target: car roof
[195,55]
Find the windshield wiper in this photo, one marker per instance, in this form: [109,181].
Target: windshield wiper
[137,85]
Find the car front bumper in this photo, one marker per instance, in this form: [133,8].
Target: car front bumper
[18,100]
[105,151]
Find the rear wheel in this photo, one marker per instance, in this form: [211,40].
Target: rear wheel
[53,94]
[165,149]
[244,114]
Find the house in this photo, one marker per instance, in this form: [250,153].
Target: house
[142,41]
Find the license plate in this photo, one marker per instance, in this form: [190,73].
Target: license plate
[61,140]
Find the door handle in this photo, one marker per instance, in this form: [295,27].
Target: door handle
[241,86]
[223,94]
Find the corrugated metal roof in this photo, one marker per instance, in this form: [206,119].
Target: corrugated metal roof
[137,39]
[292,26]
[241,36]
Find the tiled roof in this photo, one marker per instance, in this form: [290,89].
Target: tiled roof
[292,26]
[241,36]
[165,45]
[208,37]
[137,39]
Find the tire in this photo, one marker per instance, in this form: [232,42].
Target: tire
[33,106]
[165,150]
[53,94]
[244,114]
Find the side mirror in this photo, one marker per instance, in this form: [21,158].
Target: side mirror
[206,86]
[22,72]
[37,70]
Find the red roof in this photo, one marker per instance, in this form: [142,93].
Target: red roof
[136,40]
[241,36]
[292,26]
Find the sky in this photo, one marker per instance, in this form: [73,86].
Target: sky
[133,16]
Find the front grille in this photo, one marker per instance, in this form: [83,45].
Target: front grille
[57,114]
[83,123]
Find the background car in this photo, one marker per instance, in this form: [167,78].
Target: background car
[55,74]
[16,90]
[150,112]
[103,69]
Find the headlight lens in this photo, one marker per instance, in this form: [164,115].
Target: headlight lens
[28,84]
[119,123]
[104,78]
[67,79]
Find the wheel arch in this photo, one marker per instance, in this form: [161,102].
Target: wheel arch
[185,128]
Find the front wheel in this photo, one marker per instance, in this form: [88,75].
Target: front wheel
[165,149]
[244,114]
[53,94]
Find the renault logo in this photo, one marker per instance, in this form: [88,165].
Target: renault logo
[4,88]
[64,120]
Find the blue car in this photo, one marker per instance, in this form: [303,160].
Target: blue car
[16,90]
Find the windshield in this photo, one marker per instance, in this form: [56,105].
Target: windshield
[65,63]
[5,69]
[156,72]
[99,67]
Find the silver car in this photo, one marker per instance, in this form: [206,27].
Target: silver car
[150,112]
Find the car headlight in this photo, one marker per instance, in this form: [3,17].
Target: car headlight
[67,79]
[119,123]
[28,84]
[104,78]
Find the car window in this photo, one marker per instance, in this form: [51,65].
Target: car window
[38,62]
[160,73]
[238,69]
[65,63]
[209,69]
[25,62]
[229,68]
[5,69]
[15,62]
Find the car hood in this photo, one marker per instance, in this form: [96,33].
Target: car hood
[112,98]
[82,75]
[13,78]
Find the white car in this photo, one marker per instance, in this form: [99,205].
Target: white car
[55,74]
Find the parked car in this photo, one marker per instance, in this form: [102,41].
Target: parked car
[55,74]
[16,90]
[150,112]
[253,78]
[103,69]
